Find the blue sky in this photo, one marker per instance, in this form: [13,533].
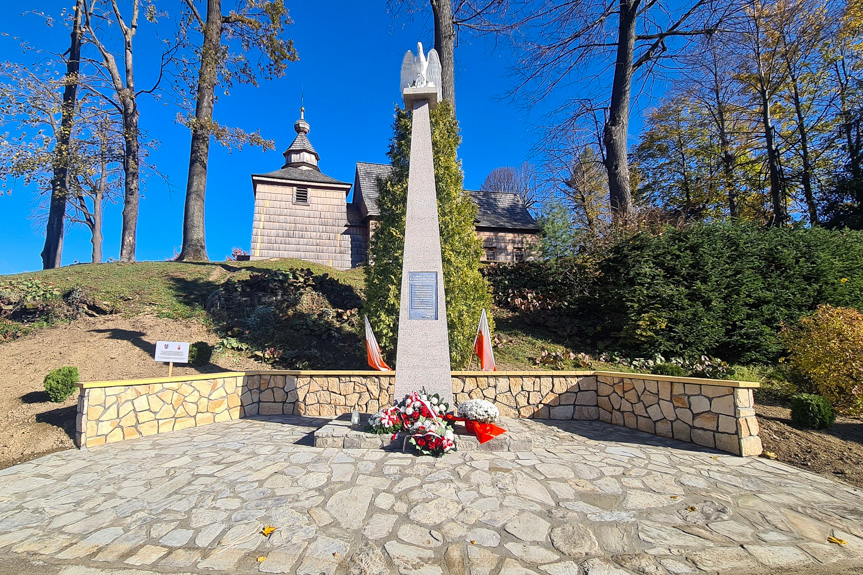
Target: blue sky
[350,56]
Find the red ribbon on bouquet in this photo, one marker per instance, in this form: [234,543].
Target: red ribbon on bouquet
[483,431]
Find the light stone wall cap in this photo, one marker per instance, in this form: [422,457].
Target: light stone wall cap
[412,95]
[371,373]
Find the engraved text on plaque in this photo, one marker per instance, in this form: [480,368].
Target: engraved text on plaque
[423,295]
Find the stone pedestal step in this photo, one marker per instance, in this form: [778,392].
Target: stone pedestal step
[338,433]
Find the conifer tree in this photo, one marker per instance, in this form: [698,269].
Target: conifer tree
[467,291]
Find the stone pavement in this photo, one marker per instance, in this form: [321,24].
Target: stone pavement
[588,498]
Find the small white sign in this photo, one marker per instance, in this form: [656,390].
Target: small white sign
[172,351]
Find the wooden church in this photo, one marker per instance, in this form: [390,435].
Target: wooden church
[302,213]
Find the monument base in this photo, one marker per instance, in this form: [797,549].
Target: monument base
[338,433]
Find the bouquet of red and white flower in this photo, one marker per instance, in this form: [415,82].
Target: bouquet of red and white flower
[421,415]
[432,437]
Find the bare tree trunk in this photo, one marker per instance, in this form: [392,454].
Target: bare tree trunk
[617,125]
[806,176]
[765,86]
[690,210]
[96,238]
[53,251]
[730,181]
[98,197]
[131,194]
[854,146]
[714,79]
[194,240]
[728,160]
[444,42]
[125,89]
[779,215]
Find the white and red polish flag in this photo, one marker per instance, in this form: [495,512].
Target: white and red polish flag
[482,345]
[373,350]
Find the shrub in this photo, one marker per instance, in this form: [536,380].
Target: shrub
[812,411]
[827,348]
[262,323]
[539,285]
[710,367]
[668,369]
[60,383]
[200,353]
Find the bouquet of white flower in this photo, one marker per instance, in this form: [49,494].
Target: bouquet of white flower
[478,410]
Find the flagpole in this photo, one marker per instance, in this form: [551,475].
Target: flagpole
[473,352]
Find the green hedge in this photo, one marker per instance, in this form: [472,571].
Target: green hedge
[721,289]
[717,289]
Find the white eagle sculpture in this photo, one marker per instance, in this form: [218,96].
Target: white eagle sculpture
[420,72]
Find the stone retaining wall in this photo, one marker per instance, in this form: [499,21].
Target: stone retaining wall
[709,414]
[125,410]
[712,413]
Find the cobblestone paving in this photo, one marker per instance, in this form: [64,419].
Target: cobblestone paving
[589,498]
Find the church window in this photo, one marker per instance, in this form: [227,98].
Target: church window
[301,196]
[490,251]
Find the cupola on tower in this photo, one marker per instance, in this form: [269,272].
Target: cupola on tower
[299,211]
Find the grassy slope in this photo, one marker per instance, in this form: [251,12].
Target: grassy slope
[166,289]
[180,290]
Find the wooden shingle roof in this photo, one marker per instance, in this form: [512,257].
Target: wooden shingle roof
[300,175]
[366,186]
[302,144]
[502,210]
[495,209]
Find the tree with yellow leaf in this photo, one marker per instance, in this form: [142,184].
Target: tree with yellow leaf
[827,348]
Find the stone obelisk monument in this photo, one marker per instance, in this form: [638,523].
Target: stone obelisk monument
[422,356]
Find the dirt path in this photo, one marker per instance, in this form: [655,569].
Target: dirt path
[102,348]
[835,452]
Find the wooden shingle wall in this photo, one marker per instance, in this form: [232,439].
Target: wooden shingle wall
[358,235]
[505,244]
[315,232]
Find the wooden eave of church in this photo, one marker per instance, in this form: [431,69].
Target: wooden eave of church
[264,179]
[525,230]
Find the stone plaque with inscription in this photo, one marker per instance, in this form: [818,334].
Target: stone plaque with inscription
[423,295]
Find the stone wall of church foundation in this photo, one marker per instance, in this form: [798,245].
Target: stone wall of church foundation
[715,414]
